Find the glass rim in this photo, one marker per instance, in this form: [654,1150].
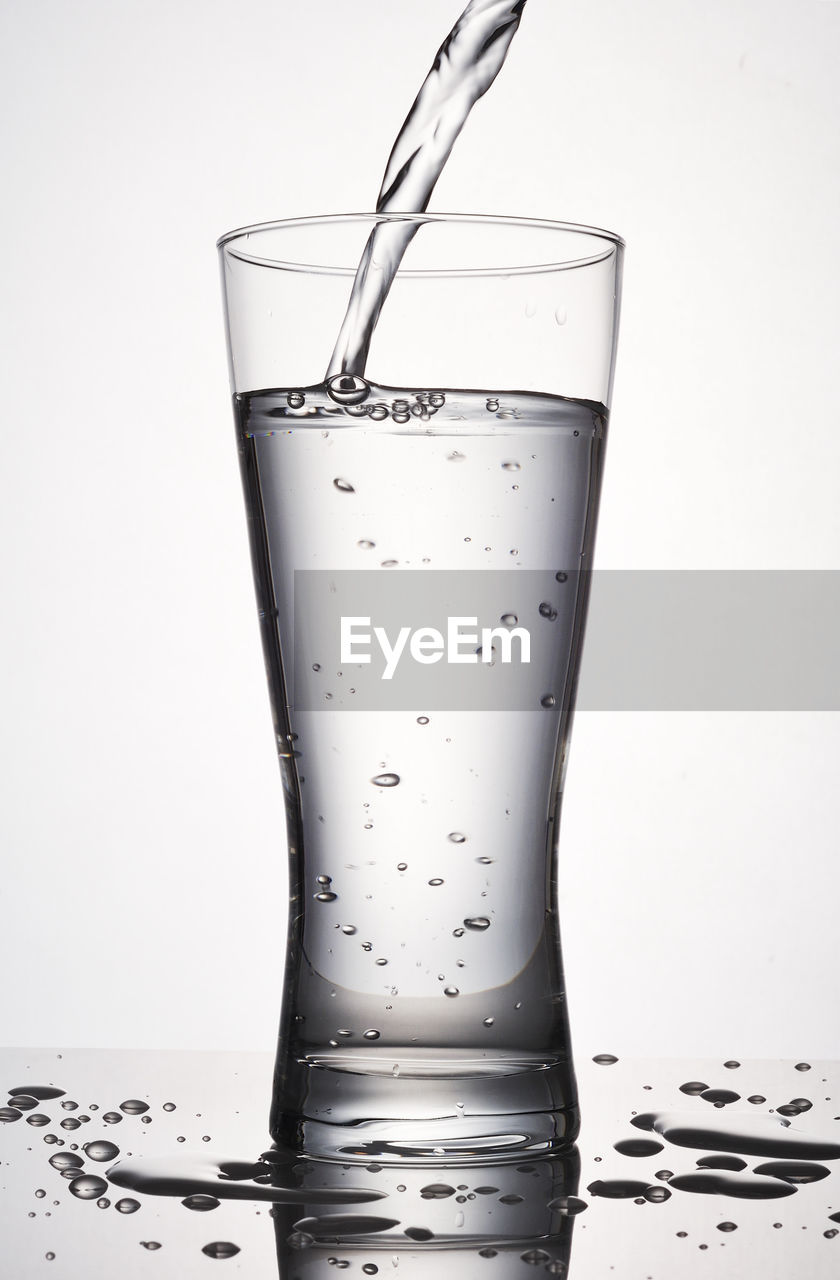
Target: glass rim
[612,242]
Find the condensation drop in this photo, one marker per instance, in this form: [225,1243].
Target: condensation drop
[8,1115]
[803,1066]
[349,929]
[169,1106]
[727,1226]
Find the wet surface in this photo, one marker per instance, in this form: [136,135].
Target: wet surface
[664,1183]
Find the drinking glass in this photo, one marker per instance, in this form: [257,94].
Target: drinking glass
[421,534]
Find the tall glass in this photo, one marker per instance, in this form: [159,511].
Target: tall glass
[421,541]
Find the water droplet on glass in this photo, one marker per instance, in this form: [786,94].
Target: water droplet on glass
[201,1203]
[23,1102]
[386,780]
[370,1269]
[101,1150]
[457,933]
[8,1115]
[343,486]
[548,701]
[485,862]
[377,412]
[371,1034]
[664,1175]
[381,962]
[561,576]
[492,405]
[134,1107]
[804,1104]
[347,388]
[560,316]
[69,1105]
[451,991]
[487,1253]
[638,1147]
[88,1186]
[50,1257]
[127,1205]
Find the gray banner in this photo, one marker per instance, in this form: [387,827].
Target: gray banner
[700,640]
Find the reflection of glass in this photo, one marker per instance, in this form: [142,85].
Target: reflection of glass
[424,1012]
[434,1222]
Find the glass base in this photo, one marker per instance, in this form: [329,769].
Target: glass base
[347,1114]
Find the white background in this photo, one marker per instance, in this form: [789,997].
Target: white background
[143,865]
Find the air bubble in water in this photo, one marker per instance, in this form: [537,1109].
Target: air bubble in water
[437,399]
[803,1066]
[348,388]
[23,1102]
[492,405]
[377,412]
[100,1150]
[201,1203]
[488,1022]
[169,1106]
[436,883]
[455,456]
[69,1123]
[103,1203]
[127,1205]
[511,466]
[371,1034]
[756,1099]
[66,1160]
[437,1191]
[386,780]
[295,399]
[568,1206]
[151,1245]
[477,923]
[657,1195]
[134,1107]
[456,837]
[343,486]
[561,576]
[112,1117]
[605,1059]
[88,1186]
[548,700]
[509,619]
[451,991]
[8,1115]
[37,1119]
[727,1226]
[326,897]
[349,929]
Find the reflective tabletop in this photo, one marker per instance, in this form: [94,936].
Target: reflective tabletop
[158,1164]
